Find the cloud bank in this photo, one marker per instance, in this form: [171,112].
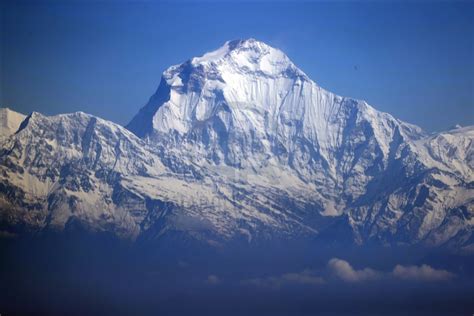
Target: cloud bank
[421,273]
[344,271]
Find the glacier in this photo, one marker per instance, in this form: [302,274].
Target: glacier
[239,145]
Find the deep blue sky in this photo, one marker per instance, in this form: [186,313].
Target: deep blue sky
[412,59]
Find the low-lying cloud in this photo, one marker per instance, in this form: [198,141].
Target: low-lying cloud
[421,273]
[344,271]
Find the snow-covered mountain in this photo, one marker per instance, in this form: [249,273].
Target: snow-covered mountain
[240,144]
[9,121]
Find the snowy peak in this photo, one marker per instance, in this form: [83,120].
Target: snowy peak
[239,143]
[241,56]
[246,105]
[240,77]
[9,121]
[248,97]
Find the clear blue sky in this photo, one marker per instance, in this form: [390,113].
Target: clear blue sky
[412,59]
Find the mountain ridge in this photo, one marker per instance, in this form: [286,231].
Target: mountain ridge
[240,143]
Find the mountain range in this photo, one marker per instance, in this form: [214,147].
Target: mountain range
[239,145]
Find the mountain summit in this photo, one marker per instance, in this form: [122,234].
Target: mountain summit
[247,56]
[247,92]
[239,144]
[240,73]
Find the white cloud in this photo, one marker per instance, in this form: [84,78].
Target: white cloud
[306,277]
[344,271]
[421,273]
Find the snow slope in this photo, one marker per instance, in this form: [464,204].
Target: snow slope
[9,121]
[239,144]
